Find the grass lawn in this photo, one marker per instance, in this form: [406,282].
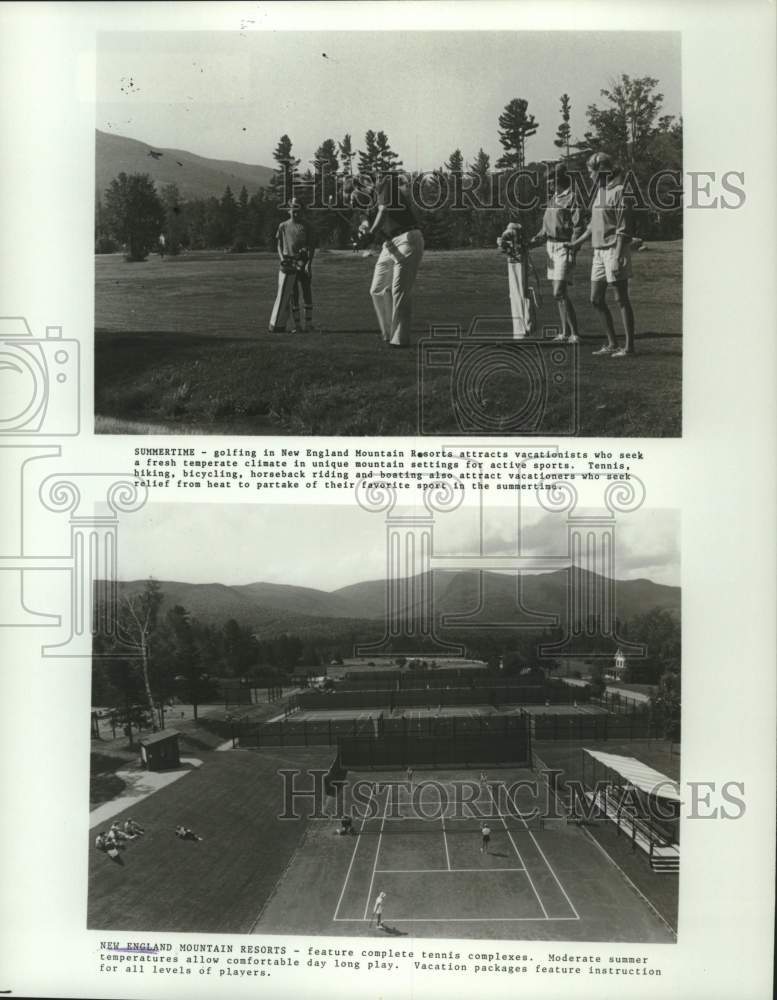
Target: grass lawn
[181,346]
[255,873]
[218,885]
[104,783]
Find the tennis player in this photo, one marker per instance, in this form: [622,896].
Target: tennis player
[485,838]
[377,910]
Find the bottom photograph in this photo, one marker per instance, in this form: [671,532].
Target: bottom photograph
[325,727]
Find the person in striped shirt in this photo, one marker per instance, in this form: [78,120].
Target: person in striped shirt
[611,232]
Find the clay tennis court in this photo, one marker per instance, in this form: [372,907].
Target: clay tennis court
[538,882]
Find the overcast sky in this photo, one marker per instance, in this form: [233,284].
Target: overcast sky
[231,95]
[328,547]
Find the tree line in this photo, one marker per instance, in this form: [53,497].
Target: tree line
[629,125]
[153,654]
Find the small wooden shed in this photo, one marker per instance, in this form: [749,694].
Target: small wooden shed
[159,751]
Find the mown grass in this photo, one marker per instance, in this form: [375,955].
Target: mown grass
[104,783]
[217,885]
[181,346]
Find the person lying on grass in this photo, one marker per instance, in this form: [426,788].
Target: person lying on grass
[184,833]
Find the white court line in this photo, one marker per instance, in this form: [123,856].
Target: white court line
[550,867]
[518,853]
[445,841]
[353,856]
[461,920]
[423,871]
[375,862]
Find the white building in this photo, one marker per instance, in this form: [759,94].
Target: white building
[619,665]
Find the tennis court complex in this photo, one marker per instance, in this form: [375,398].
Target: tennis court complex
[430,864]
[540,881]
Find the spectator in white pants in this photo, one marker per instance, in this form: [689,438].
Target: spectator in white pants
[398,262]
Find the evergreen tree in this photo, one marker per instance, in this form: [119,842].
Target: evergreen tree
[455,163]
[483,228]
[437,222]
[262,219]
[213,229]
[175,224]
[228,214]
[564,131]
[515,127]
[481,165]
[242,236]
[346,153]
[387,161]
[368,158]
[326,164]
[134,215]
[285,178]
[185,660]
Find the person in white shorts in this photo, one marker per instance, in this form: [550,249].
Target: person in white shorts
[611,232]
[485,838]
[377,910]
[562,223]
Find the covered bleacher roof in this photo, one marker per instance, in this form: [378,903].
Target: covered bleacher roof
[645,778]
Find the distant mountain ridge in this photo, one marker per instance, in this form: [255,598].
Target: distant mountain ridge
[272,608]
[196,176]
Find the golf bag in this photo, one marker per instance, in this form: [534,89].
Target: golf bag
[290,275]
[524,297]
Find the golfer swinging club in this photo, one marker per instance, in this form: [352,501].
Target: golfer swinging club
[399,260]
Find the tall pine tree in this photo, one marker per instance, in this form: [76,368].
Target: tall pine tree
[346,153]
[564,131]
[387,160]
[368,158]
[286,176]
[515,127]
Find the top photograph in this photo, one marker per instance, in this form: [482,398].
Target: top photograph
[388,233]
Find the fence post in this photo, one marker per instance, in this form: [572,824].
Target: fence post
[527,742]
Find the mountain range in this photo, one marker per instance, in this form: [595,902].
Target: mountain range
[196,176]
[271,608]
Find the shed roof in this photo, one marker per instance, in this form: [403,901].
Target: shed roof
[163,734]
